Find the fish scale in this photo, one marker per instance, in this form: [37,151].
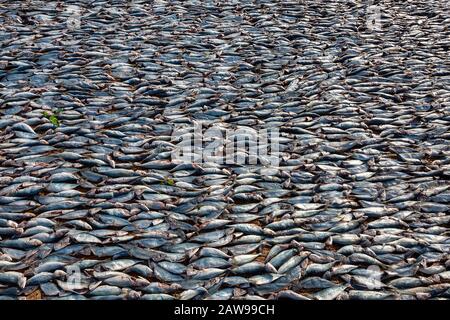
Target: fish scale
[94,98]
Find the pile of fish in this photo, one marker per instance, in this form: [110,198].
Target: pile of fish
[92,205]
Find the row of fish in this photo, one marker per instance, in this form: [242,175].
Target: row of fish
[94,96]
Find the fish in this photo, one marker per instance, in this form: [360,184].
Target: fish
[224,151]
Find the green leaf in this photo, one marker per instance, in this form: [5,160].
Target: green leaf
[53,117]
[168,181]
[54,120]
